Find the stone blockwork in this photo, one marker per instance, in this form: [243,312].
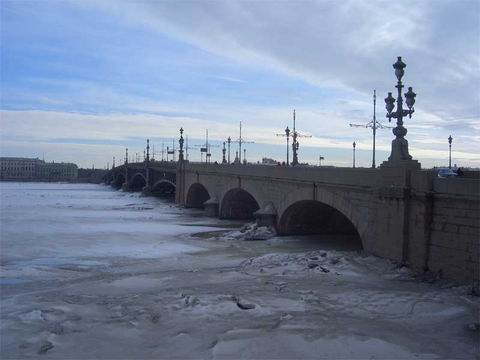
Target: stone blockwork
[408,215]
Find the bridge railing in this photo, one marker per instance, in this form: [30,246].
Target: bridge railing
[152,164]
[366,177]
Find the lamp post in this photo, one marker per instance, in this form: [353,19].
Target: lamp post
[229,141]
[287,134]
[354,146]
[400,144]
[224,150]
[126,169]
[180,141]
[147,158]
[450,152]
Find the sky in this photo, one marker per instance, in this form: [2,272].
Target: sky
[82,80]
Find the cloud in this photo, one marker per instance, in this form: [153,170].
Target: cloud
[57,133]
[328,43]
[122,71]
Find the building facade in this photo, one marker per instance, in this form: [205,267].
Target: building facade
[17,168]
[27,169]
[56,171]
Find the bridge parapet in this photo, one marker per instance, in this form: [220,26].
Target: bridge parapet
[360,177]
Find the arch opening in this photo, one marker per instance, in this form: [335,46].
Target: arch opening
[196,196]
[238,204]
[310,217]
[164,188]
[118,181]
[138,182]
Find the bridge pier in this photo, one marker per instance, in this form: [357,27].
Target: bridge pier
[266,216]
[147,190]
[211,207]
[180,195]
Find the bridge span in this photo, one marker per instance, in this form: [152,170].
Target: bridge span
[158,178]
[400,213]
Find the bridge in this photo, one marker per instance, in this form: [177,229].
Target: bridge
[397,212]
[152,177]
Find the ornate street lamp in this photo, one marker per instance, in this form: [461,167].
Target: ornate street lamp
[229,141]
[287,134]
[147,158]
[126,167]
[400,144]
[450,152]
[180,141]
[224,150]
[354,146]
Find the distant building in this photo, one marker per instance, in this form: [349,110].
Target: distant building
[17,168]
[27,169]
[57,171]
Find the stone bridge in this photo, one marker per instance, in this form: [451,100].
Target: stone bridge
[407,215]
[159,178]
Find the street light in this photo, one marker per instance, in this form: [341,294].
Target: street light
[450,152]
[181,141]
[224,150]
[400,144]
[287,133]
[354,145]
[229,141]
[147,158]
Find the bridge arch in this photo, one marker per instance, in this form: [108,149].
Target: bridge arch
[118,180]
[197,194]
[137,182]
[238,203]
[164,188]
[319,211]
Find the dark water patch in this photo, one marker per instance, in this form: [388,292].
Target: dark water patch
[12,281]
[223,226]
[209,234]
[317,242]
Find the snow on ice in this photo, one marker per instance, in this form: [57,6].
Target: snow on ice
[88,272]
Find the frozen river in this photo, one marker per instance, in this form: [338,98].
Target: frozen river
[88,272]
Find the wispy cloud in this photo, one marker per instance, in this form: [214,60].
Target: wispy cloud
[98,74]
